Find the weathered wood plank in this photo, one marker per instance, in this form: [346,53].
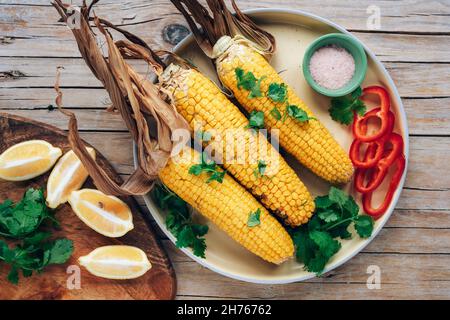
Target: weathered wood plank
[347,281]
[412,79]
[92,120]
[31,42]
[425,116]
[401,16]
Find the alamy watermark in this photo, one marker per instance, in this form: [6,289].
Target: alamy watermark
[374,20]
[374,279]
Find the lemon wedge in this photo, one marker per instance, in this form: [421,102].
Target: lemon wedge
[27,160]
[116,262]
[68,175]
[107,215]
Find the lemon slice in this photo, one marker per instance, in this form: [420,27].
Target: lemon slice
[27,160]
[107,215]
[116,262]
[68,175]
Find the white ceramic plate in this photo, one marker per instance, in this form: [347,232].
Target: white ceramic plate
[294,31]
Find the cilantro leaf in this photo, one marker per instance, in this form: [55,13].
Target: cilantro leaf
[249,82]
[209,167]
[351,207]
[275,113]
[196,169]
[337,196]
[179,221]
[277,92]
[262,165]
[256,120]
[216,176]
[22,219]
[199,247]
[60,251]
[364,226]
[322,202]
[199,229]
[356,93]
[327,245]
[254,218]
[36,238]
[255,92]
[185,237]
[298,114]
[342,108]
[304,245]
[329,215]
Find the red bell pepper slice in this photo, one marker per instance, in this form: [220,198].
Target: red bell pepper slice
[380,170]
[381,113]
[376,213]
[356,144]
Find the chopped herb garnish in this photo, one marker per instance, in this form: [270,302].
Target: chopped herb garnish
[207,166]
[342,108]
[23,218]
[256,120]
[298,114]
[254,218]
[277,92]
[179,221]
[34,257]
[316,241]
[275,113]
[259,172]
[33,250]
[249,82]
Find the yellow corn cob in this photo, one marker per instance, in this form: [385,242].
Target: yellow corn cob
[228,205]
[199,100]
[310,142]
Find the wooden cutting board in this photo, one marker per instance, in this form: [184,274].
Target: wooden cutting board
[158,283]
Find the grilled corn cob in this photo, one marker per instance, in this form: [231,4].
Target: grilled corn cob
[199,100]
[310,142]
[228,205]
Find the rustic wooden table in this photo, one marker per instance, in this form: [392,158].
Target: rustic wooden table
[413,249]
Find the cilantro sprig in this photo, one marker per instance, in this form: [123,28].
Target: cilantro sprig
[256,120]
[277,92]
[254,218]
[19,220]
[249,82]
[342,109]
[179,221]
[209,167]
[33,256]
[261,169]
[33,250]
[316,241]
[298,114]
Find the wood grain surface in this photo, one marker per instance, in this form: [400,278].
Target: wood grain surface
[158,283]
[413,42]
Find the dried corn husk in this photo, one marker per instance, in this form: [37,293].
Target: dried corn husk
[224,23]
[135,99]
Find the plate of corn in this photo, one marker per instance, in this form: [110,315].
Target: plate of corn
[243,215]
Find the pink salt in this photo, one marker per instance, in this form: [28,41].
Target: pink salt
[332,67]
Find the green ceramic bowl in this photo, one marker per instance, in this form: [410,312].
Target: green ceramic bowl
[353,47]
